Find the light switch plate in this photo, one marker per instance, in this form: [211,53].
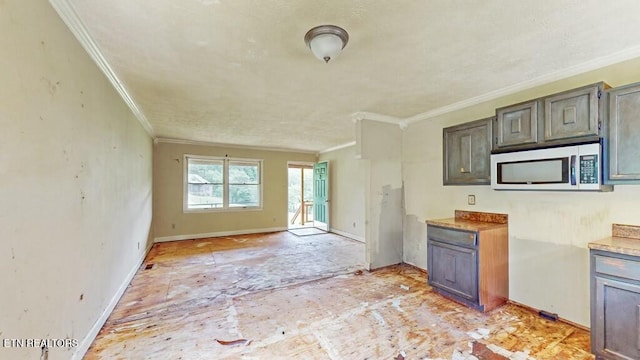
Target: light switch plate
[471,199]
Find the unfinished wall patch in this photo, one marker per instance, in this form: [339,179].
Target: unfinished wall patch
[415,241]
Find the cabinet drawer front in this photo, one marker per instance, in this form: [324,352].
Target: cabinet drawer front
[458,237]
[624,268]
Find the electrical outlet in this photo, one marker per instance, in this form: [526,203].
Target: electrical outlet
[471,199]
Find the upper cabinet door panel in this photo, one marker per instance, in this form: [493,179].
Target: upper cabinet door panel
[466,153]
[517,125]
[624,133]
[572,114]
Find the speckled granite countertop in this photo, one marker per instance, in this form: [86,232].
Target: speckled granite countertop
[625,239]
[472,221]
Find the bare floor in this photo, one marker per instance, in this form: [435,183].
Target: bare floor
[290,297]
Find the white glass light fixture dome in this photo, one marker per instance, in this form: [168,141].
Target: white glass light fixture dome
[326,41]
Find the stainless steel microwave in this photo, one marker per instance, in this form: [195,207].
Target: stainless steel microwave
[572,167]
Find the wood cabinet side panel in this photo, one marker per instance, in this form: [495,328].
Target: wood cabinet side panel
[493,267]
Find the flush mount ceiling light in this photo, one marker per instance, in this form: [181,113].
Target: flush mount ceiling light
[326,41]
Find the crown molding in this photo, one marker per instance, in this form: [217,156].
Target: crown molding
[578,69]
[349,144]
[229,146]
[364,115]
[70,17]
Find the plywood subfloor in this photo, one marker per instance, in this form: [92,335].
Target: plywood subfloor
[295,297]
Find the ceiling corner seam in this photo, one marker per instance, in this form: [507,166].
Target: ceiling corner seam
[70,17]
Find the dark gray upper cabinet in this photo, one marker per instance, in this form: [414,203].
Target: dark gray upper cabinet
[624,134]
[560,118]
[517,124]
[573,113]
[466,153]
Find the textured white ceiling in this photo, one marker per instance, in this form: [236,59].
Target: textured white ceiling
[238,71]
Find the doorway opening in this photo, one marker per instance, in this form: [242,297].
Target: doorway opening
[300,204]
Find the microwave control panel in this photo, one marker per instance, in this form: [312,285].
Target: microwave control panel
[588,169]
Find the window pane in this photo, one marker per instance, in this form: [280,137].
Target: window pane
[206,171]
[244,173]
[217,183]
[244,195]
[205,184]
[205,196]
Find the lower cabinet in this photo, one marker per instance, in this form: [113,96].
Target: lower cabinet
[615,305]
[455,269]
[470,267]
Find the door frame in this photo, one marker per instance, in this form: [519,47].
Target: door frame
[297,163]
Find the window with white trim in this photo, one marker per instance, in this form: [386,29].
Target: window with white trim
[214,183]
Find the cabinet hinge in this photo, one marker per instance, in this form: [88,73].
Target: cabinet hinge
[599,94]
[599,125]
[496,141]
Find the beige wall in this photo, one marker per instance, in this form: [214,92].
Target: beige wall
[171,223]
[346,178]
[380,146]
[75,184]
[548,231]
[366,191]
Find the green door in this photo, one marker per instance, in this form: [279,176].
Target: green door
[320,195]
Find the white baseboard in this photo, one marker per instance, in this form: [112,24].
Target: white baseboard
[84,345]
[349,235]
[217,234]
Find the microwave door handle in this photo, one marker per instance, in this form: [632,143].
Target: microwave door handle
[572,171]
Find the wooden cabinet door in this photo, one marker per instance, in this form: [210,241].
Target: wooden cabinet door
[624,134]
[517,125]
[572,114]
[467,153]
[453,269]
[616,327]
